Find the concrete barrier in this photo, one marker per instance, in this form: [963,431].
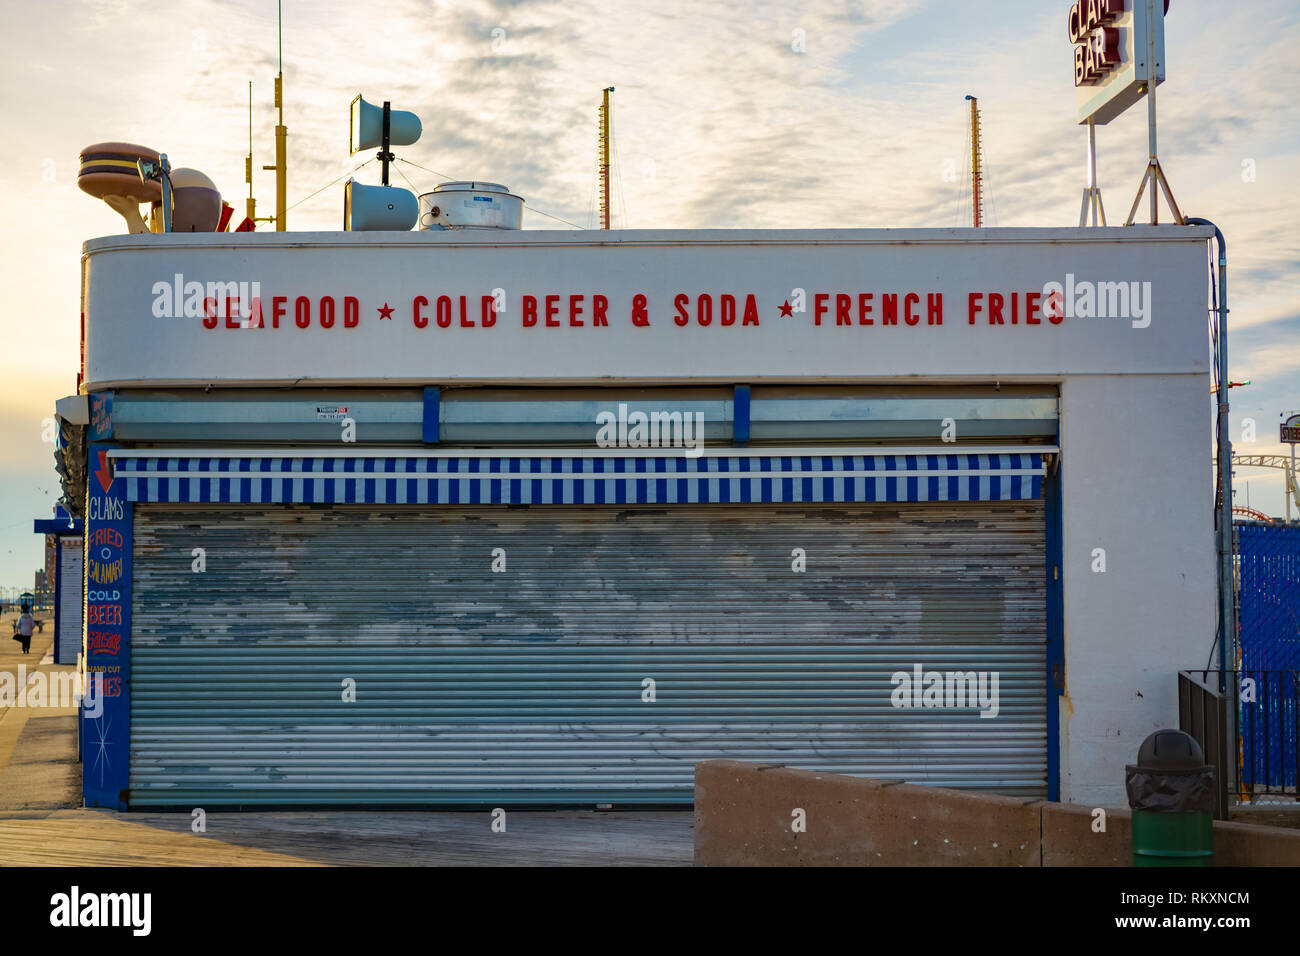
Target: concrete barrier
[1249,844]
[1069,837]
[750,814]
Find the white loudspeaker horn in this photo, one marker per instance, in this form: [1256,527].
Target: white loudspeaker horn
[366,126]
[378,208]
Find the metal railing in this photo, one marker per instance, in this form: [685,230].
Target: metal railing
[1204,713]
[1259,710]
[1267,695]
[1268,712]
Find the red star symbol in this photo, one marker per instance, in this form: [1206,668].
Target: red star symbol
[386,312]
[786,310]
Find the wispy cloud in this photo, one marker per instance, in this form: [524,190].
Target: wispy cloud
[727,114]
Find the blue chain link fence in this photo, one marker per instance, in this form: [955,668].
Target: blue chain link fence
[1268,575]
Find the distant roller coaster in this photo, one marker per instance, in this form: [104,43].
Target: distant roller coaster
[1292,490]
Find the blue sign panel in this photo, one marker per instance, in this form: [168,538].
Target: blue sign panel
[101,416]
[105,710]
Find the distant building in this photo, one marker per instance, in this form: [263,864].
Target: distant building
[43,591]
[63,580]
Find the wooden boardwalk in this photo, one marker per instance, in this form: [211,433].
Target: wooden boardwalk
[347,838]
[41,823]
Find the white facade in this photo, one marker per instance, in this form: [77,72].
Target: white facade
[130,278]
[1133,387]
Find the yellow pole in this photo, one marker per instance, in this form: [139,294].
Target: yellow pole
[604,159]
[281,138]
[251,204]
[281,134]
[977,200]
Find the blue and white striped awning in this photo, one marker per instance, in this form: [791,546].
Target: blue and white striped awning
[534,480]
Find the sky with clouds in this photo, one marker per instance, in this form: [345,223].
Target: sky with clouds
[719,122]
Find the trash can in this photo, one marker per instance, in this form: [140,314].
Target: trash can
[1171,794]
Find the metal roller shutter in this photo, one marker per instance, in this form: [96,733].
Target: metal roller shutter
[525,686]
[68,640]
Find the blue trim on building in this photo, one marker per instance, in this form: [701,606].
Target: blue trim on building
[105,738]
[432,409]
[740,415]
[59,526]
[1055,630]
[58,577]
[557,479]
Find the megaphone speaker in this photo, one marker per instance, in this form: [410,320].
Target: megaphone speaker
[367,124]
[196,204]
[378,208]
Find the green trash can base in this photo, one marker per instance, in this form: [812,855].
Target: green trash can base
[1173,839]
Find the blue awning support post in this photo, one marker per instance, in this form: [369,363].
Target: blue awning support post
[740,416]
[432,398]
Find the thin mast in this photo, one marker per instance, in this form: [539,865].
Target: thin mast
[976,173]
[603,143]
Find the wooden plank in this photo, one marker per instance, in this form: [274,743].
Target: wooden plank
[347,838]
[89,838]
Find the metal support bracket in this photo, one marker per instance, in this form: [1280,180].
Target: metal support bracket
[1155,175]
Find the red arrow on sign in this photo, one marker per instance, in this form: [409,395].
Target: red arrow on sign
[102,473]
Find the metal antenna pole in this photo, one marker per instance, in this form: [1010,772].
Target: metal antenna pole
[165,177]
[1086,205]
[1154,161]
[385,157]
[281,133]
[1092,204]
[1294,487]
[1154,177]
[251,207]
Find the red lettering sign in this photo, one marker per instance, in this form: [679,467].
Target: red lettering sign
[103,642]
[106,536]
[104,614]
[1097,45]
[581,310]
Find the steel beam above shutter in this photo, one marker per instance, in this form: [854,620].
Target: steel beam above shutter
[497,417]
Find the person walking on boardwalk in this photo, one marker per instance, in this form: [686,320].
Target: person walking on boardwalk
[25,623]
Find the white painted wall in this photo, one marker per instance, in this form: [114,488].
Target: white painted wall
[1135,480]
[128,344]
[1135,402]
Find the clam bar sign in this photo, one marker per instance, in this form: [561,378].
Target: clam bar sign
[1291,430]
[1096,42]
[1113,42]
[725,306]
